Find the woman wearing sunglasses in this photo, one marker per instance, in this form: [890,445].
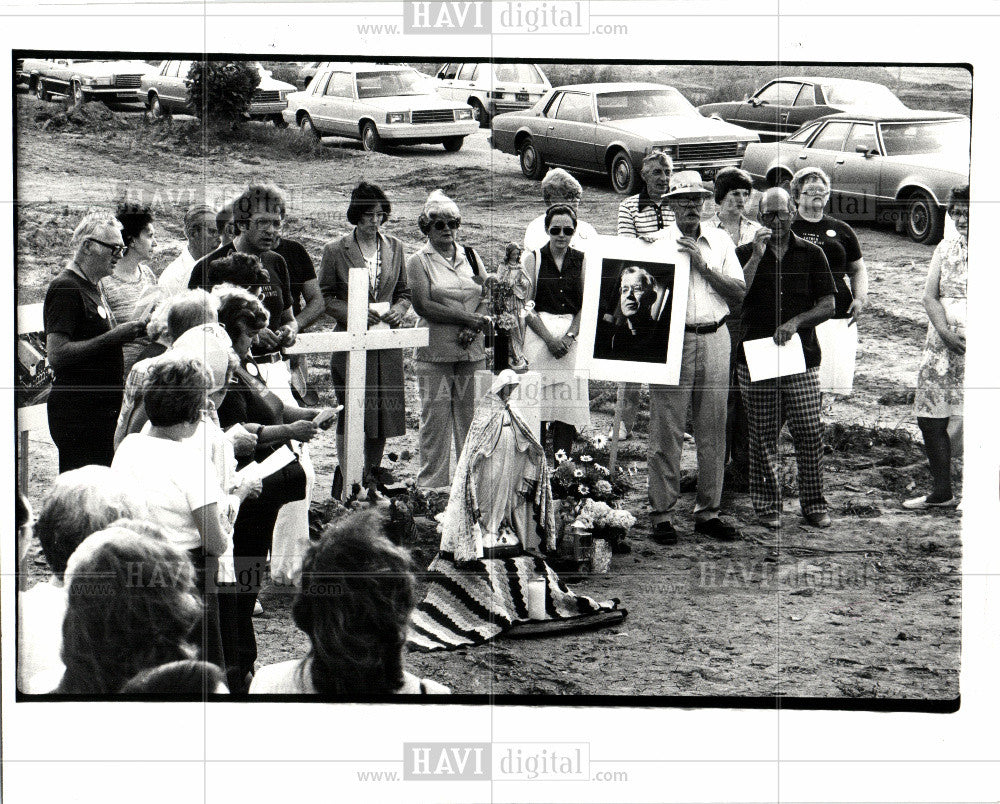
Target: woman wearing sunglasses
[84,349]
[446,279]
[384,259]
[556,275]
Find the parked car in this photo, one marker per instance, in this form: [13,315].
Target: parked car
[307,71]
[165,91]
[491,88]
[892,167]
[780,107]
[609,128]
[379,104]
[84,79]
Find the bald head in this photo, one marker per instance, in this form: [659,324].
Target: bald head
[775,199]
[776,212]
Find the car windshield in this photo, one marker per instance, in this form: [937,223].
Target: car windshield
[390,83]
[860,94]
[949,137]
[643,103]
[518,74]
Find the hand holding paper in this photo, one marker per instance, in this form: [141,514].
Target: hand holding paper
[767,360]
[327,417]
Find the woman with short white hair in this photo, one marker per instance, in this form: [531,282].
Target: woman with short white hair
[559,187]
[447,280]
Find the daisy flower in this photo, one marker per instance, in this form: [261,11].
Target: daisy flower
[561,455]
[586,459]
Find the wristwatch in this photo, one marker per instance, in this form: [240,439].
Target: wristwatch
[571,336]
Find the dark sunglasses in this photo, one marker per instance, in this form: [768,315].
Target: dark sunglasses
[116,249]
[781,216]
[452,223]
[562,230]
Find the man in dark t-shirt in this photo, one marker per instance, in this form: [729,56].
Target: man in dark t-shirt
[257,218]
[790,291]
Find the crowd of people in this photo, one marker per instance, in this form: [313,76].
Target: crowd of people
[170,391]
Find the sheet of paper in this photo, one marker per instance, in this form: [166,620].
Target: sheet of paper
[275,461]
[766,360]
[381,308]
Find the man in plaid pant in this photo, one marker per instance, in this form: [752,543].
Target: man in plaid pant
[790,290]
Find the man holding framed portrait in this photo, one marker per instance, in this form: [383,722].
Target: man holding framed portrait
[715,282]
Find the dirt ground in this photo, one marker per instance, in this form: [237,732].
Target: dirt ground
[869,608]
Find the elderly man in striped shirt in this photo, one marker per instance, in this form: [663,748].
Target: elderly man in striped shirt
[643,215]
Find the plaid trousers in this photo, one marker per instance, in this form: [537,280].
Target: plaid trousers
[768,404]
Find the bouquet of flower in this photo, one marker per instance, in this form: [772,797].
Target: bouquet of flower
[580,477]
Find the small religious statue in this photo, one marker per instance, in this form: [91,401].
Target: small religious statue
[501,496]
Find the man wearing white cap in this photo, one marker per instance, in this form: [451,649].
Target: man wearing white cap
[716,281]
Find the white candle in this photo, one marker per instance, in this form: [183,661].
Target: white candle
[536,599]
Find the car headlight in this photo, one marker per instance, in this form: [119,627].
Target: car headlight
[397,117]
[463,114]
[88,81]
[669,150]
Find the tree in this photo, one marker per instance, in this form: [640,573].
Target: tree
[220,91]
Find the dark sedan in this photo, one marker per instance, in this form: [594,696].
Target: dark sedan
[784,105]
[892,168]
[609,128]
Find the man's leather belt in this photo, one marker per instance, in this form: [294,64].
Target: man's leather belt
[705,329]
[270,357]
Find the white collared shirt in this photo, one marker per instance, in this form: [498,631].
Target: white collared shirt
[705,305]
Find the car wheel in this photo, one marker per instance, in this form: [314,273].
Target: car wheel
[624,178]
[479,114]
[924,221]
[453,144]
[40,92]
[307,127]
[370,138]
[532,164]
[76,93]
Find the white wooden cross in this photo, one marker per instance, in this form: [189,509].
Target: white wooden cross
[357,340]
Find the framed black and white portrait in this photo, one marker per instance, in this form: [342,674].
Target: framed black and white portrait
[634,300]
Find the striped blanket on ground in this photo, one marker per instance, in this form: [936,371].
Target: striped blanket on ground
[471,604]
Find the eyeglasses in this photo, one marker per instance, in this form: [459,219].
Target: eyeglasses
[451,223]
[688,203]
[778,215]
[815,193]
[562,230]
[116,248]
[266,224]
[632,290]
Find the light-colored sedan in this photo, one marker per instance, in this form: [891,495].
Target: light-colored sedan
[165,91]
[892,168]
[85,79]
[491,88]
[379,104]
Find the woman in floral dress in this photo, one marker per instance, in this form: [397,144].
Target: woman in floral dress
[942,368]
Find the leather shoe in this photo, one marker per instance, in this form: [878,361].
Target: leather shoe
[820,520]
[664,533]
[772,521]
[718,529]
